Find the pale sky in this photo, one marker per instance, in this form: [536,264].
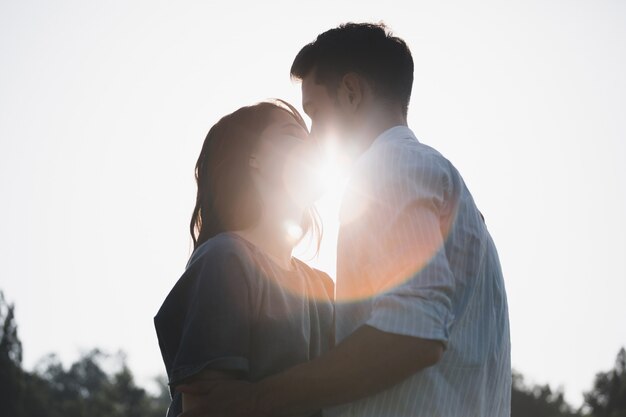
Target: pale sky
[104,107]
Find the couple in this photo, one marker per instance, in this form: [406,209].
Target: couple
[418,322]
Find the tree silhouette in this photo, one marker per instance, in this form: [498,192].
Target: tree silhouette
[608,396]
[537,400]
[85,389]
[82,390]
[10,360]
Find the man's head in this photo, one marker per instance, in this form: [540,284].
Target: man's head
[352,73]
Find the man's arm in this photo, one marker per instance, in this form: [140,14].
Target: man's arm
[367,362]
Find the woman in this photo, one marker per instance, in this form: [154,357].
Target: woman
[244,307]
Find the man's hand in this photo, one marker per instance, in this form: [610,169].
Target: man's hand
[225,398]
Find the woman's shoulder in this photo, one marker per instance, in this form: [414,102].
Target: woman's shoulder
[323,276]
[217,263]
[320,276]
[220,248]
[313,271]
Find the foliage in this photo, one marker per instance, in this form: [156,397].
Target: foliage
[608,396]
[537,401]
[101,385]
[84,389]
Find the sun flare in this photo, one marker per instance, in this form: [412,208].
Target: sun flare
[332,174]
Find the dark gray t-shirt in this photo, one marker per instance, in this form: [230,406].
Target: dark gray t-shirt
[234,309]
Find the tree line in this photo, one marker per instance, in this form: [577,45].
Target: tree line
[100,384]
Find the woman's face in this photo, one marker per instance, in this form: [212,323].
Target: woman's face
[285,161]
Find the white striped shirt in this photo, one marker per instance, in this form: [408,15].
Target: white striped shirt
[415,258]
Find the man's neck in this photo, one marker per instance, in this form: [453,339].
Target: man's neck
[379,122]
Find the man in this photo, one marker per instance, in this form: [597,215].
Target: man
[422,319]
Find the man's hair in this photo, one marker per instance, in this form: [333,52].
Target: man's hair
[367,49]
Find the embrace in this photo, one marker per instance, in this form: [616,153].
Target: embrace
[416,322]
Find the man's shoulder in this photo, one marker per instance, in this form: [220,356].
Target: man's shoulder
[403,157]
[409,149]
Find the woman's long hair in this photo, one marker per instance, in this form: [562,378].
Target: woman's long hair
[227,199]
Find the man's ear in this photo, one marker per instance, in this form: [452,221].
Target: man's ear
[351,91]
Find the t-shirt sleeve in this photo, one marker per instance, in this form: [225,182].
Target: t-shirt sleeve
[215,331]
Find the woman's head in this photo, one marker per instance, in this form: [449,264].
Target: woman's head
[256,155]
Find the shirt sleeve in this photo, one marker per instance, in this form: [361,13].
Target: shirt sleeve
[215,331]
[408,266]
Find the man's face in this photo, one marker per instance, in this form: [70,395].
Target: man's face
[329,121]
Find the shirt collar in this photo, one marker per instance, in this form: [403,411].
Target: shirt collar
[399,131]
[396,132]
